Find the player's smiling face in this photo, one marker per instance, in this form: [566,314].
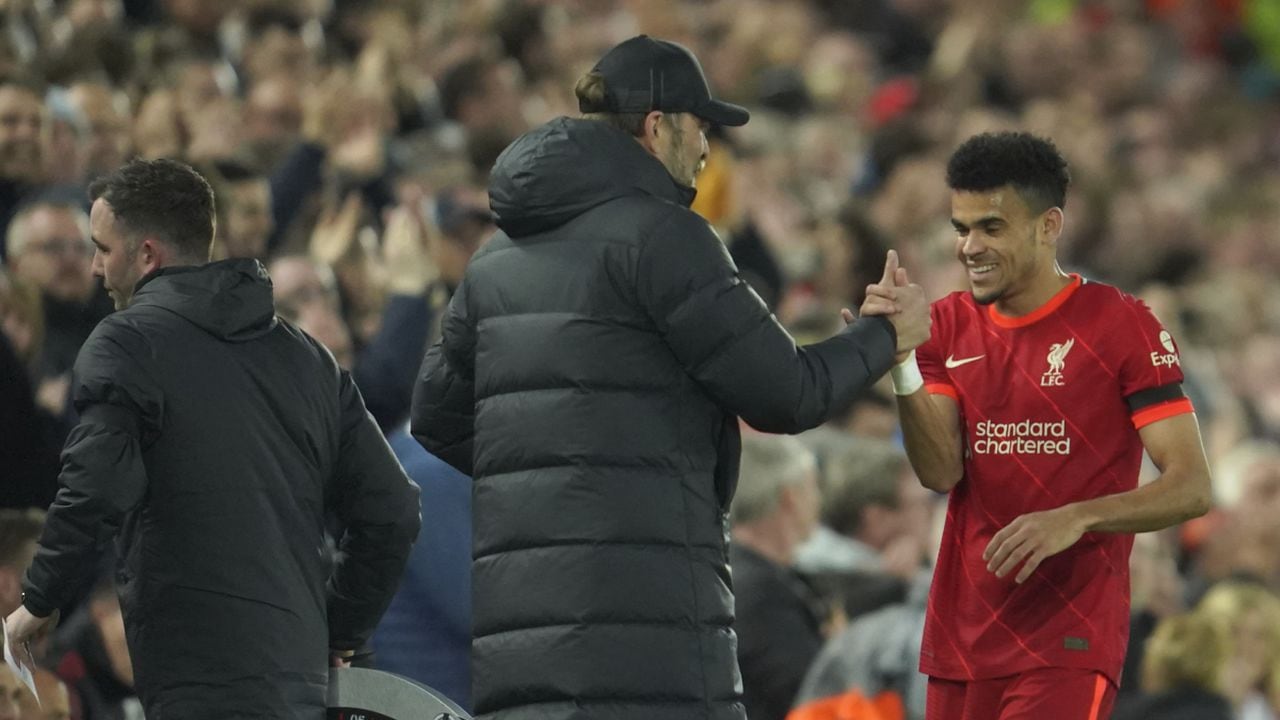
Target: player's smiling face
[998,242]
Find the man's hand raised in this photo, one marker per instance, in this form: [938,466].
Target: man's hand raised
[903,302]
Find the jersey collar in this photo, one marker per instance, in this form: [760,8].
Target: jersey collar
[1055,302]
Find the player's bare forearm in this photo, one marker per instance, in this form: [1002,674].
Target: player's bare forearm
[1181,492]
[1172,498]
[931,434]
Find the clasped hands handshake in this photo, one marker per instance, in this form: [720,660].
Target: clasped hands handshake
[902,302]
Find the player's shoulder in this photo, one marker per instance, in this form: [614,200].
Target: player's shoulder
[1109,305]
[1100,294]
[128,330]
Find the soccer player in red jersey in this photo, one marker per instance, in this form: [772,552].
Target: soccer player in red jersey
[1031,404]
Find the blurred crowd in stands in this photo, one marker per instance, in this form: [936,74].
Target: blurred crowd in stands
[349,144]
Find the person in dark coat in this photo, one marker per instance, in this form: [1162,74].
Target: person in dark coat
[593,366]
[28,457]
[213,438]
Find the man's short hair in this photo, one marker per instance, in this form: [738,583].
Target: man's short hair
[18,529]
[1031,165]
[769,464]
[859,476]
[164,199]
[15,237]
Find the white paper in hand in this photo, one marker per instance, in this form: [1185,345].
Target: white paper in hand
[20,662]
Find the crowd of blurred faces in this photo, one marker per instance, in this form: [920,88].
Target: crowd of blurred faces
[349,145]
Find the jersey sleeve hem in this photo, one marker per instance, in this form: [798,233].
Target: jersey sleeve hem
[942,389]
[1155,413]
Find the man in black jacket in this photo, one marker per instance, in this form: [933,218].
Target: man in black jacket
[593,366]
[213,440]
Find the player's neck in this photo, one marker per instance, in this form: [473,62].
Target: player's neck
[1040,291]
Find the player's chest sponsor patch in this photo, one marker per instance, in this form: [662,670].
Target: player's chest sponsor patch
[1020,437]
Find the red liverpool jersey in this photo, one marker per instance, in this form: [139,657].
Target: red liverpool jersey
[1050,406]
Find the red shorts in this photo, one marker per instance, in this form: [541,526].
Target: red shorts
[1042,694]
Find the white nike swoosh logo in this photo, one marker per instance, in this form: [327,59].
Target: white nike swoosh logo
[953,363]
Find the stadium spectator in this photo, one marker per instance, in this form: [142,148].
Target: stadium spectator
[11,691]
[874,514]
[48,247]
[244,223]
[54,702]
[778,617]
[1182,674]
[89,653]
[22,117]
[19,533]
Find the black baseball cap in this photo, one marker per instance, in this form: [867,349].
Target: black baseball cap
[645,74]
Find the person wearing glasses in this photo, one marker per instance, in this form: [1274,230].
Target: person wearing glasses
[48,249]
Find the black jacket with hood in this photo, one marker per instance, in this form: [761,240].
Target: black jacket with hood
[593,367]
[212,439]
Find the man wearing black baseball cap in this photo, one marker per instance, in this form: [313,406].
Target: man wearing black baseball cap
[593,367]
[656,91]
[644,74]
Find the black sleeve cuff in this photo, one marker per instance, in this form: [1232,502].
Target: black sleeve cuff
[877,342]
[36,605]
[887,325]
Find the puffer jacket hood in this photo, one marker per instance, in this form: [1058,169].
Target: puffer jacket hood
[564,168]
[229,299]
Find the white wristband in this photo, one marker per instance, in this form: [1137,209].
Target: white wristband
[906,376]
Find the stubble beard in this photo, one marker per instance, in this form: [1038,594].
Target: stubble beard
[685,173]
[1009,279]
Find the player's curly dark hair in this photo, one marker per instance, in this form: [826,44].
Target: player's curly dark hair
[1032,165]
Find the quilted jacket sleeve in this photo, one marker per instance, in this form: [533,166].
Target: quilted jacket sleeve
[727,339]
[443,417]
[379,510]
[103,476]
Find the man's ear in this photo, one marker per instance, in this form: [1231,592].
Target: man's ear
[651,131]
[153,254]
[1051,223]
